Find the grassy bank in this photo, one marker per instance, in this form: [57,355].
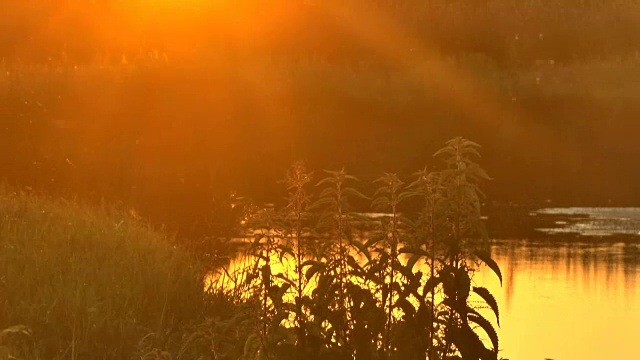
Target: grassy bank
[90,283]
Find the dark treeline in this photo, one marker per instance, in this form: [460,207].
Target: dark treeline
[169,108]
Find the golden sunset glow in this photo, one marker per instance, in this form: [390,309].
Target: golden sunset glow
[319,179]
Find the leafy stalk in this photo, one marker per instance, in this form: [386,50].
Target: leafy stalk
[334,200]
[462,198]
[387,198]
[298,202]
[428,187]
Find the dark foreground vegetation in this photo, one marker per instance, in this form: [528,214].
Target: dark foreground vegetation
[318,281]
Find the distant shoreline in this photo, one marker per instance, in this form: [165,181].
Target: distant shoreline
[513,222]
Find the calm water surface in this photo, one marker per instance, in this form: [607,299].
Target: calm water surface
[571,299]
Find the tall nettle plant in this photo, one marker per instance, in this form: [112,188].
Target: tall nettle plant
[403,292]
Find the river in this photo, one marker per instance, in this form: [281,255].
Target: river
[573,294]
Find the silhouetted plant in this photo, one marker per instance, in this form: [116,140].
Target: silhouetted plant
[336,217]
[363,297]
[296,215]
[465,241]
[388,198]
[427,186]
[272,286]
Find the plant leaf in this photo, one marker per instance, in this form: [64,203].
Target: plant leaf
[362,248]
[413,250]
[312,270]
[406,306]
[287,280]
[463,284]
[487,327]
[412,261]
[353,192]
[486,258]
[354,264]
[430,285]
[489,299]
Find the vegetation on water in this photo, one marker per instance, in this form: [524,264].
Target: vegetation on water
[401,290]
[319,281]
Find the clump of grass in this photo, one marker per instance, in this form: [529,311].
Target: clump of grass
[91,283]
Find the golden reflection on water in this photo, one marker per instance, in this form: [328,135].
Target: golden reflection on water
[570,301]
[567,302]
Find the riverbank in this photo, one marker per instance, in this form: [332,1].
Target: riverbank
[604,225]
[91,283]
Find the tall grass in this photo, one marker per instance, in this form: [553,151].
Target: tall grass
[91,283]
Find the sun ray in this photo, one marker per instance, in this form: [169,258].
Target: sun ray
[420,57]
